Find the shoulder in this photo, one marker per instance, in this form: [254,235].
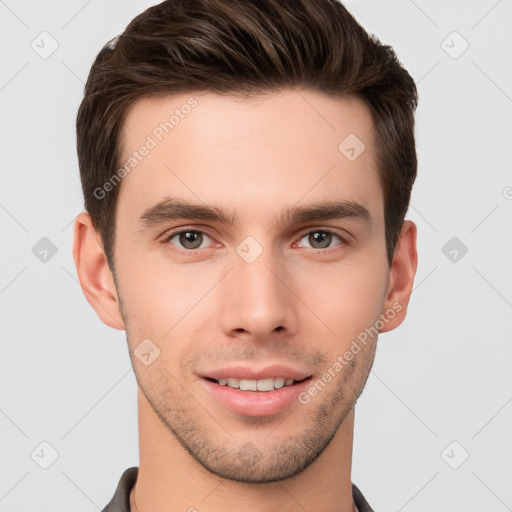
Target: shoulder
[120,502]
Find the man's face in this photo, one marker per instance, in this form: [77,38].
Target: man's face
[264,295]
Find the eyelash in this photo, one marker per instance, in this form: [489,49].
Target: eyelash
[343,241]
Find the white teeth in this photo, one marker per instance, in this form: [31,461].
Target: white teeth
[279,382]
[233,383]
[265,384]
[268,384]
[248,385]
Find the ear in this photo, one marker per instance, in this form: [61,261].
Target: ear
[401,277]
[94,273]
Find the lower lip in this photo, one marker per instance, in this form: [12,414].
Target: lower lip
[256,403]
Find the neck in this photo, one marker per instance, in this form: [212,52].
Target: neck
[170,478]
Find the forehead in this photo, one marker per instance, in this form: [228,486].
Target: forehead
[299,112]
[259,152]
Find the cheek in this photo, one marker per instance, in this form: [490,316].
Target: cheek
[346,298]
[165,303]
[149,286]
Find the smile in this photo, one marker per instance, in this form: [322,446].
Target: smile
[268,384]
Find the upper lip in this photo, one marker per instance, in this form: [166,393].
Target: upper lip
[244,372]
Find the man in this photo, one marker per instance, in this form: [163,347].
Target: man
[247,167]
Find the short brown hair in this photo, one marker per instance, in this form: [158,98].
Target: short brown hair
[246,47]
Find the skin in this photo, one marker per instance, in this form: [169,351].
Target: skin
[298,303]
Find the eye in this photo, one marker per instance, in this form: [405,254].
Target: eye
[189,239]
[322,238]
[193,239]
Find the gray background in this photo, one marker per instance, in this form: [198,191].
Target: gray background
[440,388]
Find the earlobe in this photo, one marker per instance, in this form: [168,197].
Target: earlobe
[401,277]
[94,273]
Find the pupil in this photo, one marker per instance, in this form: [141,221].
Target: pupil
[319,236]
[190,237]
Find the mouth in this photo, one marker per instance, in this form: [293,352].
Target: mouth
[256,397]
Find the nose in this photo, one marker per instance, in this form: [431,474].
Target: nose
[258,300]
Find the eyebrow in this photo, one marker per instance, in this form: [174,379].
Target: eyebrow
[171,209]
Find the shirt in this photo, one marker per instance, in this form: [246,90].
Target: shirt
[120,502]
